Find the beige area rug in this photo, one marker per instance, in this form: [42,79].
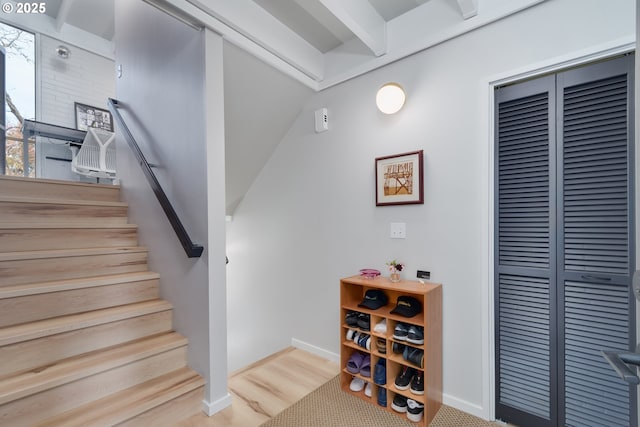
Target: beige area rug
[329,406]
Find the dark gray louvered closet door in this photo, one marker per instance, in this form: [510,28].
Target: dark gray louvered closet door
[564,247]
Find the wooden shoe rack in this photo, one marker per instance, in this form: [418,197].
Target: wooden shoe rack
[352,291]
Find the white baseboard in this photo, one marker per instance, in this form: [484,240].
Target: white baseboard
[463,405]
[211,408]
[334,357]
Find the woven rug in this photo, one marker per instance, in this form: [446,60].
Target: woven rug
[329,406]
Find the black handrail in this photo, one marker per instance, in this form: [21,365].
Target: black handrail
[193,250]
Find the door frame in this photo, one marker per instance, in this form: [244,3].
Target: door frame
[553,65]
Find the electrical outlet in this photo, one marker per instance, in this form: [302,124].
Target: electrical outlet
[398,230]
[423,274]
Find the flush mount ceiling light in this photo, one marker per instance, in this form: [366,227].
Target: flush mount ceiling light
[390,98]
[63,52]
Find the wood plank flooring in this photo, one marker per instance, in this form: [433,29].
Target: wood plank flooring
[267,387]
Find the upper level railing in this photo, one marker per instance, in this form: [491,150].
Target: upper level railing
[193,250]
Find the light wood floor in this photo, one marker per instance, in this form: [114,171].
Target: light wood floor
[267,387]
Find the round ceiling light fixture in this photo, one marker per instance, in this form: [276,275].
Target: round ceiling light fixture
[390,98]
[63,52]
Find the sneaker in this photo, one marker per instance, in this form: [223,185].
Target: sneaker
[381,344]
[382,397]
[351,318]
[401,332]
[398,348]
[415,410]
[380,372]
[399,403]
[415,335]
[357,384]
[367,390]
[381,327]
[363,321]
[350,334]
[414,355]
[404,378]
[417,383]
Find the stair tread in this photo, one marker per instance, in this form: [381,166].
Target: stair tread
[57,325]
[54,225]
[39,200]
[68,284]
[85,365]
[61,253]
[56,181]
[133,401]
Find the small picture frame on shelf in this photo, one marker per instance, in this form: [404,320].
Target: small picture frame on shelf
[88,116]
[399,179]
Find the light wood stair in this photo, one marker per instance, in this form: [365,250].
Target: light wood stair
[84,338]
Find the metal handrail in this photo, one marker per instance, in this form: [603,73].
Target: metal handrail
[193,250]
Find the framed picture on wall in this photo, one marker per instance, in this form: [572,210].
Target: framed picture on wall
[399,179]
[92,117]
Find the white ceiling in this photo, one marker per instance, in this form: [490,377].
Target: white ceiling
[293,47]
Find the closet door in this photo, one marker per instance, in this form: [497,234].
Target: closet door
[565,247]
[525,253]
[595,241]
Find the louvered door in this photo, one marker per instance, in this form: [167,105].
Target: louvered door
[564,247]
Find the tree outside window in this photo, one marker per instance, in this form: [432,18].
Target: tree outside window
[19,97]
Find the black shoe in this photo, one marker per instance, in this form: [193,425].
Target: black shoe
[351,318]
[400,332]
[404,378]
[415,410]
[417,383]
[398,348]
[415,335]
[399,403]
[414,355]
[363,321]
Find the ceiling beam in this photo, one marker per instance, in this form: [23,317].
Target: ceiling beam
[469,8]
[63,13]
[245,19]
[363,21]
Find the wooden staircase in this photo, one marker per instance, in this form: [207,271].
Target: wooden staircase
[84,338]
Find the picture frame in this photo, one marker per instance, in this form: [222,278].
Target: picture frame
[88,116]
[399,179]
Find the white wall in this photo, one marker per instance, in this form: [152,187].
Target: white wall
[310,217]
[173,110]
[84,77]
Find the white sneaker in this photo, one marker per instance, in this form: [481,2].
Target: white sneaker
[367,390]
[415,410]
[357,384]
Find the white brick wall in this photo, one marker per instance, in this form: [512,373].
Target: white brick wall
[84,77]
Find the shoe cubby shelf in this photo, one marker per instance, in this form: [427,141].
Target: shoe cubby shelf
[429,320]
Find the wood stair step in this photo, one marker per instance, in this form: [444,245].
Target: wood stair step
[24,267]
[129,403]
[38,301]
[64,235]
[38,394]
[25,209]
[58,325]
[55,189]
[35,344]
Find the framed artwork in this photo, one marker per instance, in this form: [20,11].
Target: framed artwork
[399,179]
[92,117]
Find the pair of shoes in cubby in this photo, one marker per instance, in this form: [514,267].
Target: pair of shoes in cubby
[358,320]
[359,363]
[409,333]
[361,339]
[413,408]
[358,384]
[412,379]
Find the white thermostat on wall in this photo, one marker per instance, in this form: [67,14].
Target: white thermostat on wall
[322,120]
